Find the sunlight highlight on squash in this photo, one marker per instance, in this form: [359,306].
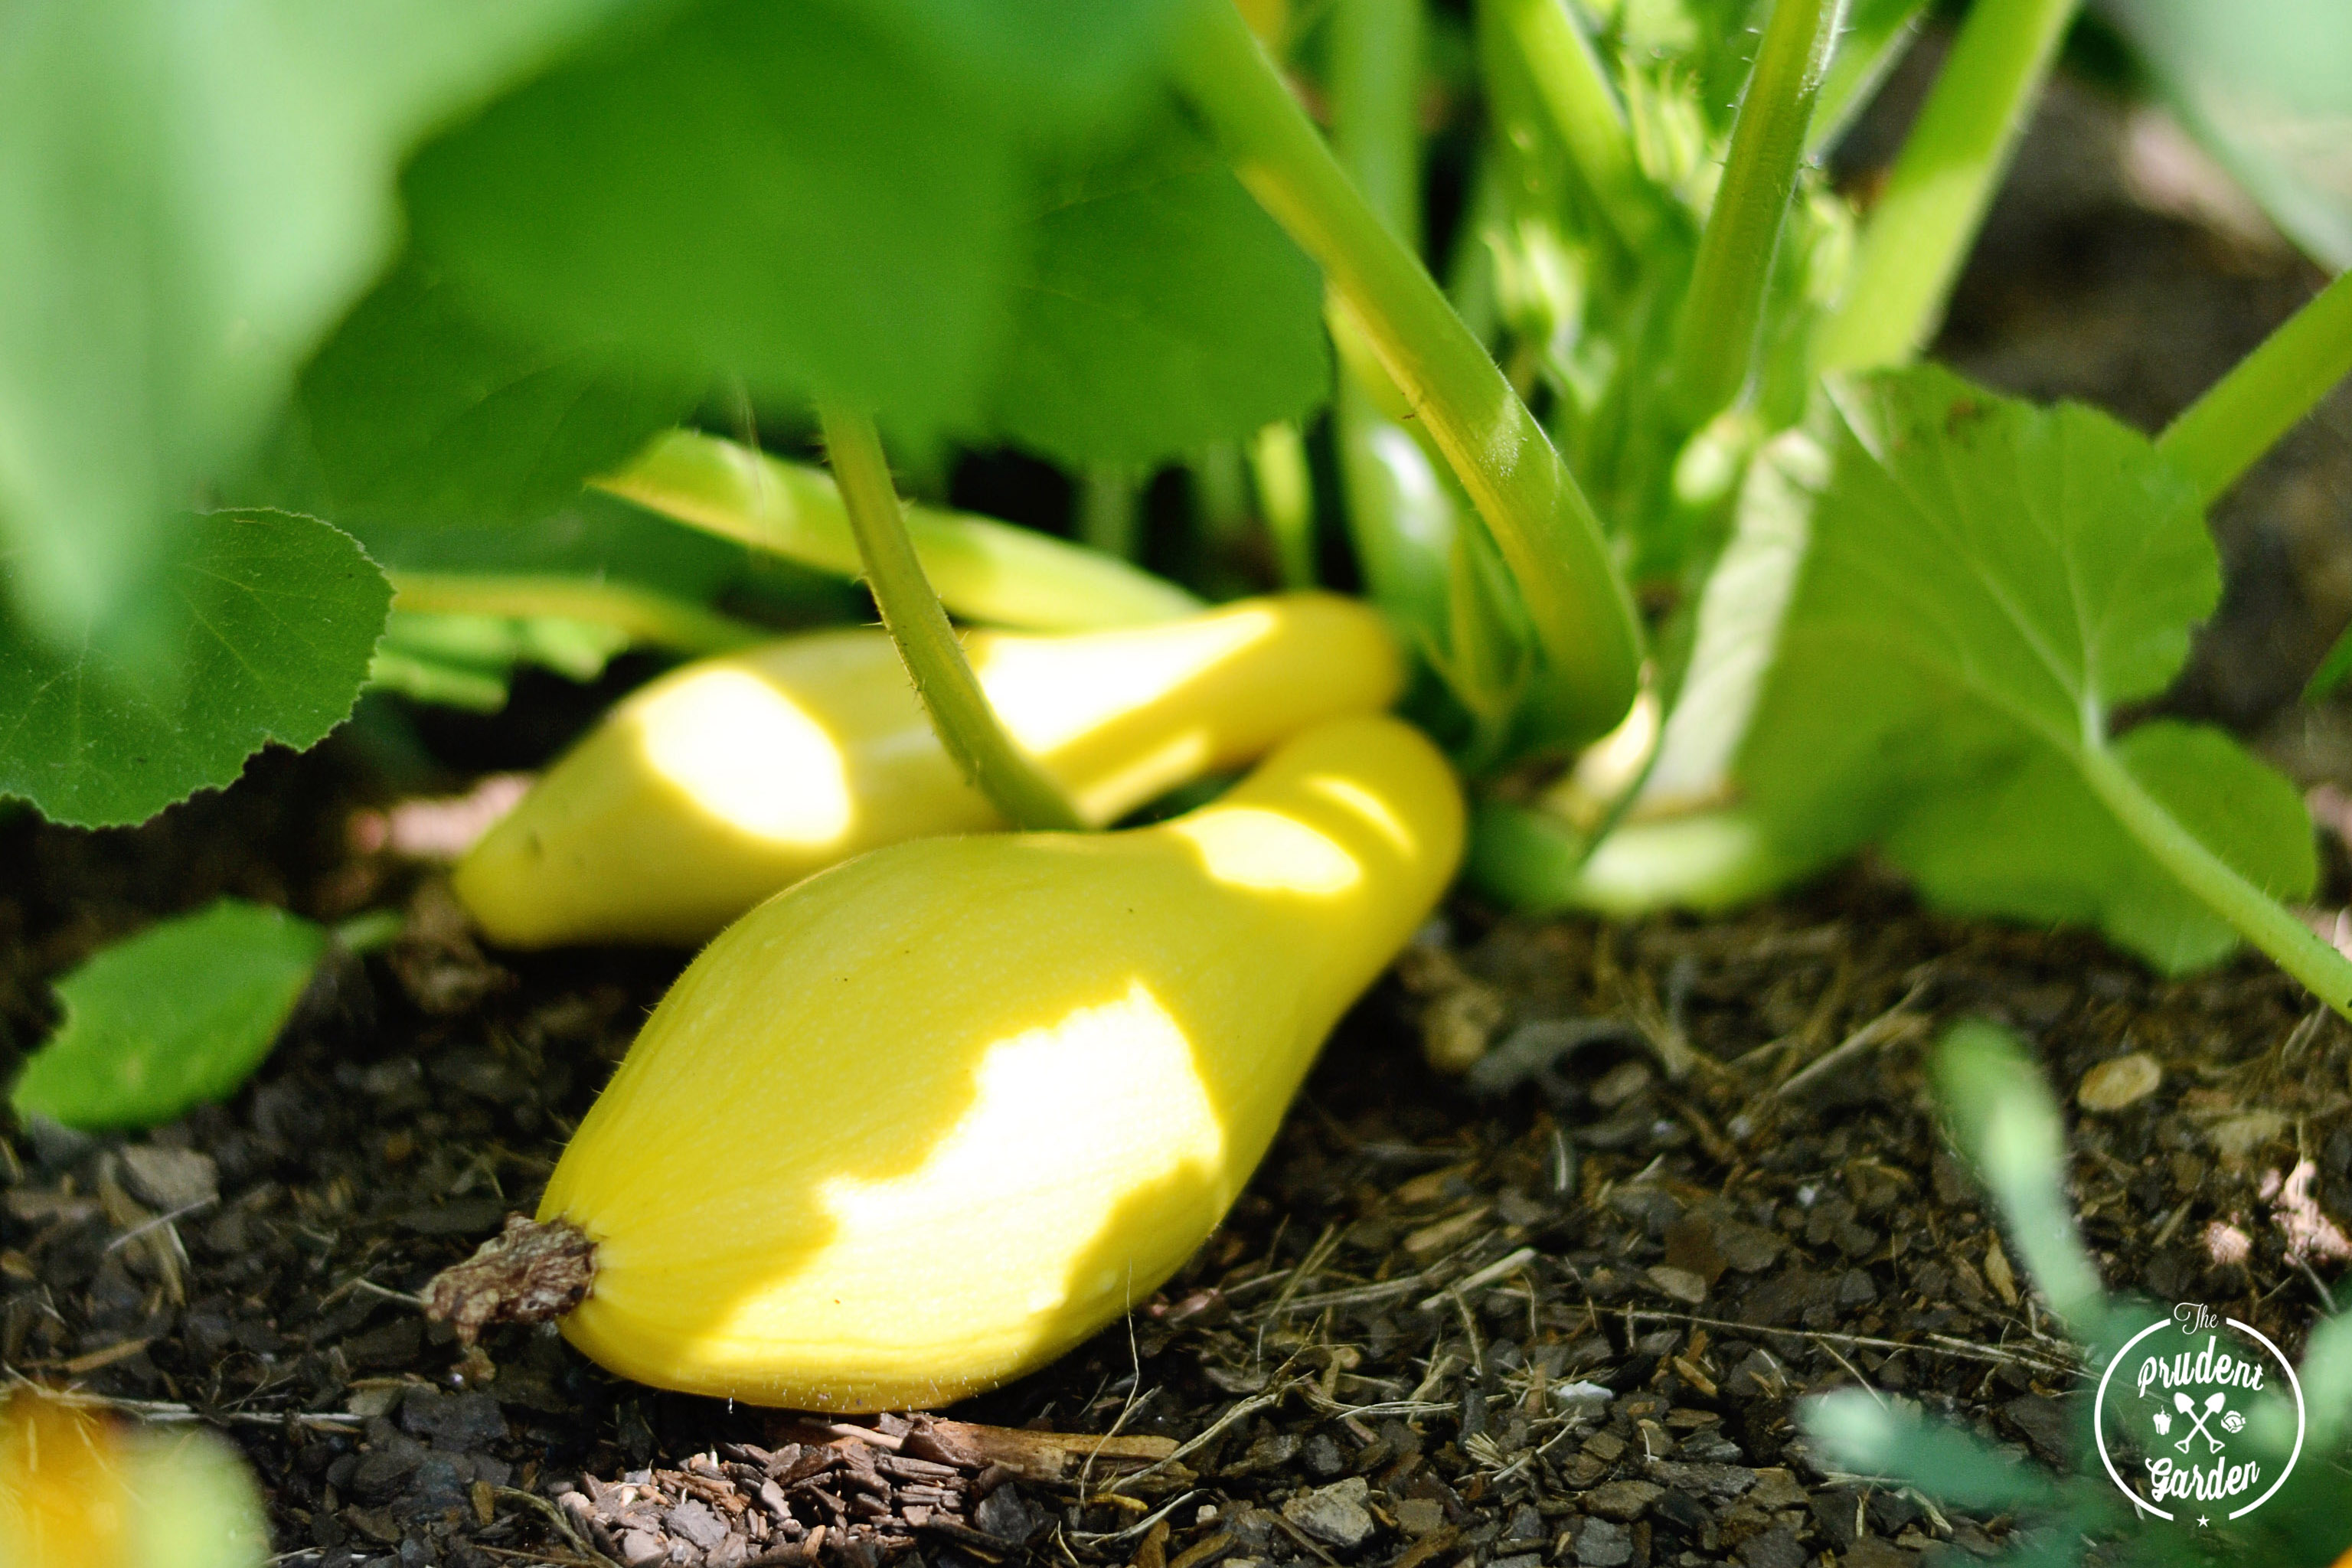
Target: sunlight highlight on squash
[712,788]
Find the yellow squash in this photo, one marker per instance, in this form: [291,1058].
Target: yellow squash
[927,1120]
[731,777]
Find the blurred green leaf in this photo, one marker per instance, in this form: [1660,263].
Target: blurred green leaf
[190,196]
[177,1016]
[785,194]
[1986,582]
[1161,309]
[2268,87]
[415,414]
[1866,1435]
[266,621]
[2004,1119]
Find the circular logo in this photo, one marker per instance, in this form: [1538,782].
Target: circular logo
[2171,1414]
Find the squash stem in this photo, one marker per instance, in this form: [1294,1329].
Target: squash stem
[1574,91]
[1547,530]
[1942,182]
[968,727]
[1715,341]
[2243,415]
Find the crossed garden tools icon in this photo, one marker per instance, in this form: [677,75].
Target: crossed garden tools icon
[2188,1407]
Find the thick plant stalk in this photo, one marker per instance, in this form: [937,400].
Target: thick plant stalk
[1942,182]
[2258,917]
[1541,521]
[1583,109]
[968,727]
[982,569]
[1714,342]
[650,619]
[2243,416]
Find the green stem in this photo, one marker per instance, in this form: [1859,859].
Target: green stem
[1872,38]
[984,571]
[368,933]
[1402,531]
[1545,527]
[648,618]
[1108,500]
[968,727]
[1714,342]
[2243,416]
[1576,96]
[1286,498]
[1942,182]
[2257,917]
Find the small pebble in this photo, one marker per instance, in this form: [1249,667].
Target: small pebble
[1680,1283]
[1334,1515]
[1604,1543]
[2119,1081]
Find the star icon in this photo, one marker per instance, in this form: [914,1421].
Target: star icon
[2202,1521]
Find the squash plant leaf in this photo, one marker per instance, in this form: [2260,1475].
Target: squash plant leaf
[178,1016]
[790,195]
[270,620]
[1161,309]
[192,196]
[1986,583]
[412,413]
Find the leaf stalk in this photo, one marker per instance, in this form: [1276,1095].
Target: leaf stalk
[1546,528]
[1942,182]
[2243,416]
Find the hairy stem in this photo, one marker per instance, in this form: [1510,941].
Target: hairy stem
[1715,341]
[1545,527]
[2257,917]
[2243,416]
[650,618]
[983,570]
[968,727]
[1582,107]
[1870,41]
[1942,182]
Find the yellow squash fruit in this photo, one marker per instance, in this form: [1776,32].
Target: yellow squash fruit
[732,777]
[926,1120]
[79,1490]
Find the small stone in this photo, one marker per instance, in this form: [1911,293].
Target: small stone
[1855,1288]
[1334,1515]
[1420,1516]
[170,1179]
[1776,1548]
[1604,1543]
[1004,1514]
[694,1521]
[1704,1479]
[642,1549]
[1680,1283]
[2119,1081]
[1583,1401]
[1776,1488]
[461,1421]
[1322,1457]
[1749,1248]
[1623,1501]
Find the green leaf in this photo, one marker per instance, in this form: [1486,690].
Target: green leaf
[2266,88]
[783,194]
[1987,581]
[1162,310]
[268,621]
[414,414]
[191,197]
[178,1016]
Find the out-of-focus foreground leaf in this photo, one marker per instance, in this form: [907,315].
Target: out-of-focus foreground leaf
[178,1016]
[266,621]
[2268,87]
[189,196]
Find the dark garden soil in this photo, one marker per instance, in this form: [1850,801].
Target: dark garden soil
[1556,1313]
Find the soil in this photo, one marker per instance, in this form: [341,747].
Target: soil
[1557,1312]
